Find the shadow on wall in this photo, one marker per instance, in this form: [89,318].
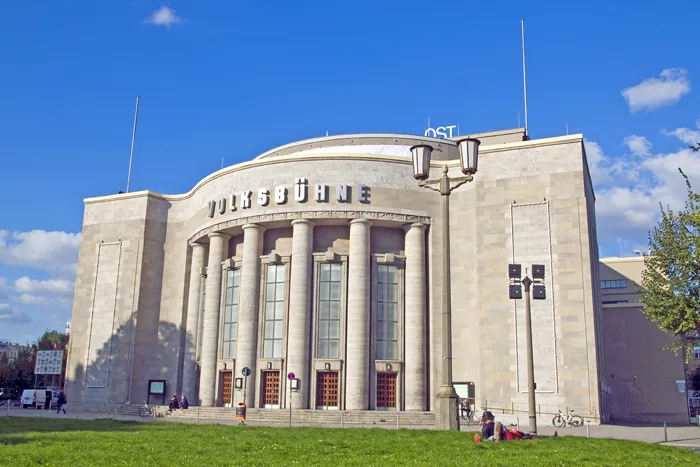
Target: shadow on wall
[109,379]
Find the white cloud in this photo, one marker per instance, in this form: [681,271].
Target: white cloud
[7,313]
[55,252]
[652,93]
[50,286]
[596,162]
[3,292]
[629,209]
[164,16]
[686,134]
[29,299]
[638,145]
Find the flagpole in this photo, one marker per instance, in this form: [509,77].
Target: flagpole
[522,26]
[133,137]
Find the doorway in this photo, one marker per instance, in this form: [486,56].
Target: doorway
[327,390]
[271,389]
[386,391]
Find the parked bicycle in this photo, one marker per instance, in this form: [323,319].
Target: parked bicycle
[560,420]
[147,410]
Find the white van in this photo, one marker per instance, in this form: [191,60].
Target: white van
[37,397]
[28,398]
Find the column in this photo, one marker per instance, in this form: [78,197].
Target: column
[358,364]
[218,250]
[415,320]
[248,307]
[299,335]
[189,366]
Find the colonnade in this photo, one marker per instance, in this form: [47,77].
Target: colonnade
[299,358]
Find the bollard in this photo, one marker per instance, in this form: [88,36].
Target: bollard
[397,421]
[115,414]
[342,419]
[518,423]
[197,417]
[665,433]
[588,429]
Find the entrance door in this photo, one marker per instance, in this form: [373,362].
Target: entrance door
[327,390]
[271,392]
[227,386]
[386,390]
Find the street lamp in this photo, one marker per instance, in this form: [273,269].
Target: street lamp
[448,416]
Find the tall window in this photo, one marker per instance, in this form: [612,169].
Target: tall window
[696,353]
[274,311]
[387,312]
[329,312]
[233,282]
[201,319]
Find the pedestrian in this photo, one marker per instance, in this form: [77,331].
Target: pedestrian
[184,403]
[47,399]
[61,401]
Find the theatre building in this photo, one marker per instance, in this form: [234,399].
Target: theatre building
[323,258]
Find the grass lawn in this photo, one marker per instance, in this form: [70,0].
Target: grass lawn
[31,441]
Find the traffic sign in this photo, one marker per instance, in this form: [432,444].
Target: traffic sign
[291,376]
[245,371]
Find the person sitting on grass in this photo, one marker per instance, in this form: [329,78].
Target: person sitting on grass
[491,430]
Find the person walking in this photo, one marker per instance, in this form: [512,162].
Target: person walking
[61,401]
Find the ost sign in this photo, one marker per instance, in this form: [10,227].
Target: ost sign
[280,196]
[439,132]
[48,362]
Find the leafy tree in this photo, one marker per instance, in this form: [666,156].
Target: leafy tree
[670,289]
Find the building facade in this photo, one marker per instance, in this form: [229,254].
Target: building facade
[323,258]
[642,381]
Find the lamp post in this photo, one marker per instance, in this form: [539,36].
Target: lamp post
[448,414]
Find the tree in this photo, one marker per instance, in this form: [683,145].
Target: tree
[670,289]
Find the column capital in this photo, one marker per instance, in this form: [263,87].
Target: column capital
[223,235]
[416,225]
[196,245]
[257,227]
[366,222]
[304,221]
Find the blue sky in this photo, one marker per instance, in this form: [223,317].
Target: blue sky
[233,79]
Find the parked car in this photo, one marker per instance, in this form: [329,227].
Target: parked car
[7,393]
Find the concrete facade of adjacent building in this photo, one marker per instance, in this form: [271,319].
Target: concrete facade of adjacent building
[640,378]
[323,258]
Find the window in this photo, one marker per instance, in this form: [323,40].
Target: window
[329,312]
[616,284]
[274,311]
[696,353]
[233,282]
[387,312]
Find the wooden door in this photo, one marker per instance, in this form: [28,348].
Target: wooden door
[227,385]
[386,390]
[271,389]
[327,389]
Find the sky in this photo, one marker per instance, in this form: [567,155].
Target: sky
[232,79]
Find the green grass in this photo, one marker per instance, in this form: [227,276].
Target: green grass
[28,441]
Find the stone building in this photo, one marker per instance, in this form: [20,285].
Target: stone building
[323,258]
[642,381]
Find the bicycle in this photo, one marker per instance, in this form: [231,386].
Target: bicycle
[560,420]
[147,410]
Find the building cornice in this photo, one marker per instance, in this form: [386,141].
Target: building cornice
[399,218]
[261,162]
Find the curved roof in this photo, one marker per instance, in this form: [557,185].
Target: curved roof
[385,144]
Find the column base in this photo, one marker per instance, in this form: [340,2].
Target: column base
[447,410]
